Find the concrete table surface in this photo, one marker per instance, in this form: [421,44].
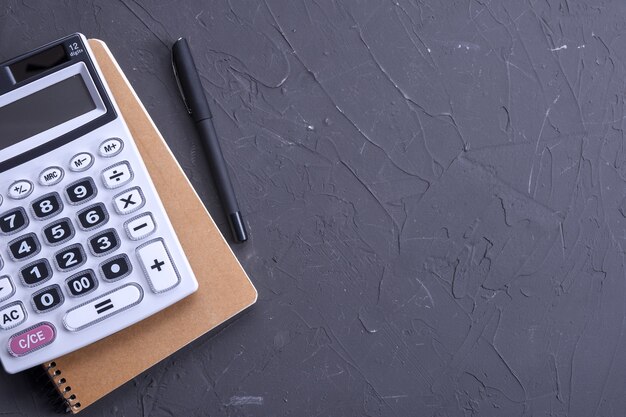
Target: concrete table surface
[434,192]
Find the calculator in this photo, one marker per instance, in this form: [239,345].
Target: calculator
[87,247]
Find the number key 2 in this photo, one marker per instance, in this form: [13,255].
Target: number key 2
[47,206]
[24,247]
[58,232]
[70,258]
[48,298]
[81,191]
[13,221]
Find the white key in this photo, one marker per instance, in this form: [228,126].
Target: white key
[102,307]
[6,288]
[51,176]
[1,199]
[140,227]
[81,162]
[110,147]
[117,175]
[20,189]
[157,264]
[12,315]
[129,201]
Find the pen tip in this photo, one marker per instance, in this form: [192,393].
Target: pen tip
[238,227]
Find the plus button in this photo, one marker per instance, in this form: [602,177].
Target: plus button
[157,265]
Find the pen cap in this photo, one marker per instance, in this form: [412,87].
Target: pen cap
[189,81]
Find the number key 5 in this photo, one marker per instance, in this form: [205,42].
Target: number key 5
[58,232]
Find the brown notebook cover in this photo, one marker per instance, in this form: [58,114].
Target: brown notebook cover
[224,288]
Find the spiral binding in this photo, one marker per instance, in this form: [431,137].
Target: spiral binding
[62,396]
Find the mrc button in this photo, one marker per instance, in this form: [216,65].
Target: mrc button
[51,176]
[31,339]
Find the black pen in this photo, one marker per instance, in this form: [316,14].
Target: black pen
[193,95]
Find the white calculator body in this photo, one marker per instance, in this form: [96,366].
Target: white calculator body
[87,248]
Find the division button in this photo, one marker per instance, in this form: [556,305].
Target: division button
[81,162]
[140,227]
[157,264]
[110,147]
[31,339]
[51,176]
[12,315]
[20,189]
[102,307]
[117,175]
[116,268]
[6,288]
[129,201]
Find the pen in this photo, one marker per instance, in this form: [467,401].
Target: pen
[198,108]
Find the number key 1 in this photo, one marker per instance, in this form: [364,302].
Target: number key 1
[35,273]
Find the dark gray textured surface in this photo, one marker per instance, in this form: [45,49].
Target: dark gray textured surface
[435,195]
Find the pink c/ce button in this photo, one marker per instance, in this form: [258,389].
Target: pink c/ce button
[31,339]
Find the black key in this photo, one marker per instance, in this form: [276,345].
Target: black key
[93,216]
[48,298]
[81,191]
[82,283]
[116,268]
[58,232]
[47,206]
[104,242]
[13,221]
[36,273]
[70,258]
[24,247]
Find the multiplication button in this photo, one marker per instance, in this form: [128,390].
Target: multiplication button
[129,201]
[103,307]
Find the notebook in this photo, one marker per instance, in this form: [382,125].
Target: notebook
[224,288]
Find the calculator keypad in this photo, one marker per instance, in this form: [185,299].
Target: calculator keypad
[89,233]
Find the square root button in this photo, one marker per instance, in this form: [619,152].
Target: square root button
[158,266]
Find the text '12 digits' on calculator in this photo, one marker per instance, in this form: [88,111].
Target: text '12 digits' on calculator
[87,248]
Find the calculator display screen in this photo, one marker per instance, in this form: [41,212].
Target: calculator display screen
[43,110]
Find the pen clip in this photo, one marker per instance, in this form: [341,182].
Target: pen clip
[180,88]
